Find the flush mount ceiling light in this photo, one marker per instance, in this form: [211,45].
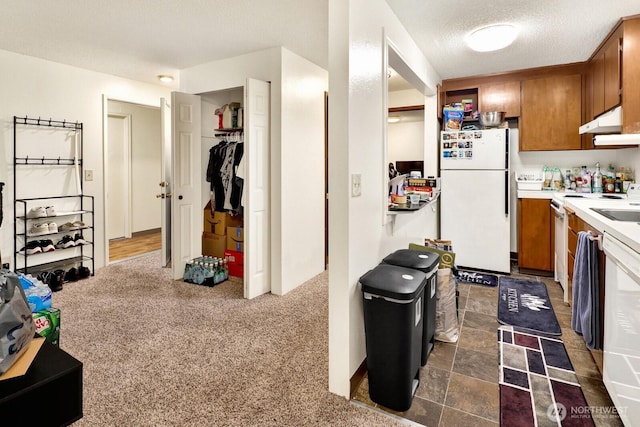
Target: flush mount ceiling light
[493,37]
[165,78]
[393,119]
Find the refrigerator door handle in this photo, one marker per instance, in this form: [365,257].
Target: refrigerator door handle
[506,193]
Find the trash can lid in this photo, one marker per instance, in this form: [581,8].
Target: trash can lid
[393,281]
[420,260]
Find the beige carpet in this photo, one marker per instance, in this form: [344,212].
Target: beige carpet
[163,353]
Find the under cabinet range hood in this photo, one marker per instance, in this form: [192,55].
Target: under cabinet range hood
[609,122]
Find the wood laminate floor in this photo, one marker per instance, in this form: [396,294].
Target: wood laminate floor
[140,243]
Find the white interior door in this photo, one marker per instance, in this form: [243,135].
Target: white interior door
[117,185]
[257,271]
[165,179]
[185,190]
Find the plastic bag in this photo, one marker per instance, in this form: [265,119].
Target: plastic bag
[17,327]
[447,328]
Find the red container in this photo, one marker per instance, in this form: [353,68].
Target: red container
[235,261]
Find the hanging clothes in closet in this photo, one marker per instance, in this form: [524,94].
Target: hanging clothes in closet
[225,186]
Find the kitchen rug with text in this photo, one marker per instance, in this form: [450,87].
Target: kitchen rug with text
[526,304]
[476,277]
[538,385]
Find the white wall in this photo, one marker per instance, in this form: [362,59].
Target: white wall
[360,232]
[302,183]
[146,162]
[536,160]
[406,141]
[297,146]
[35,87]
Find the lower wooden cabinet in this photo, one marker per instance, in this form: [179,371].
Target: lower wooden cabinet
[535,235]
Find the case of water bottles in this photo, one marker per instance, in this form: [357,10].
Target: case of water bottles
[206,270]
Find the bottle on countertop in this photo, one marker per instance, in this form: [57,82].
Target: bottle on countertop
[586,180]
[567,179]
[597,179]
[617,185]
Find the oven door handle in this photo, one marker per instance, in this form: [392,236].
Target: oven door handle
[557,209]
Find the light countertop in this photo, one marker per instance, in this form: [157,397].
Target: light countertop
[627,232]
[536,194]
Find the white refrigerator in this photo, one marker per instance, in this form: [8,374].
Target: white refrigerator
[475,211]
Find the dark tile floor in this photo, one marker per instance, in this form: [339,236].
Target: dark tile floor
[459,384]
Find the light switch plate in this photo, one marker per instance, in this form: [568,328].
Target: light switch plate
[356,185]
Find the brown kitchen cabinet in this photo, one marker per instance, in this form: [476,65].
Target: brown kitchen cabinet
[535,236]
[614,75]
[575,224]
[551,113]
[605,69]
[500,97]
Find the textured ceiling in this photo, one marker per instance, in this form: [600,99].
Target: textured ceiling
[551,31]
[140,39]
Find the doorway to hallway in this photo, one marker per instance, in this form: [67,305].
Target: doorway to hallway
[132,173]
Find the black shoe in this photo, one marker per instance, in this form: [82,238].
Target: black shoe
[55,282]
[71,275]
[31,248]
[79,240]
[84,272]
[47,245]
[65,242]
[44,277]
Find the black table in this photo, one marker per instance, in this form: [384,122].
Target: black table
[49,394]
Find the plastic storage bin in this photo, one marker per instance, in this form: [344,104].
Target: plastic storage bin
[426,262]
[393,321]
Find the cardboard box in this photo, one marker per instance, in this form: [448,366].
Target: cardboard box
[235,261]
[235,239]
[48,324]
[213,244]
[21,366]
[217,222]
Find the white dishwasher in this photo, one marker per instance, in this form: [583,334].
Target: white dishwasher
[622,329]
[560,244]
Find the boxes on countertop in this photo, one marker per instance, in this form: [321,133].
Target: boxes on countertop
[217,222]
[213,244]
[235,239]
[48,324]
[235,261]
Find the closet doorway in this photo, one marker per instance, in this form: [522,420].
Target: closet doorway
[133,154]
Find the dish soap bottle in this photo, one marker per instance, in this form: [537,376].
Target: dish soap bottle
[597,179]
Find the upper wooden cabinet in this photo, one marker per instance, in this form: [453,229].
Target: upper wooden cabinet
[605,76]
[551,112]
[614,75]
[500,97]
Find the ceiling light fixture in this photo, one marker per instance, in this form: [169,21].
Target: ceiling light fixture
[393,119]
[493,37]
[165,78]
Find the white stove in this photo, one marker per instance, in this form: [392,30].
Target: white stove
[628,200]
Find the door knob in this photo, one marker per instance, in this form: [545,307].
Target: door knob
[160,196]
[163,184]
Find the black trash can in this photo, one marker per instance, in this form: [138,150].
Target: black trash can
[393,319]
[428,263]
